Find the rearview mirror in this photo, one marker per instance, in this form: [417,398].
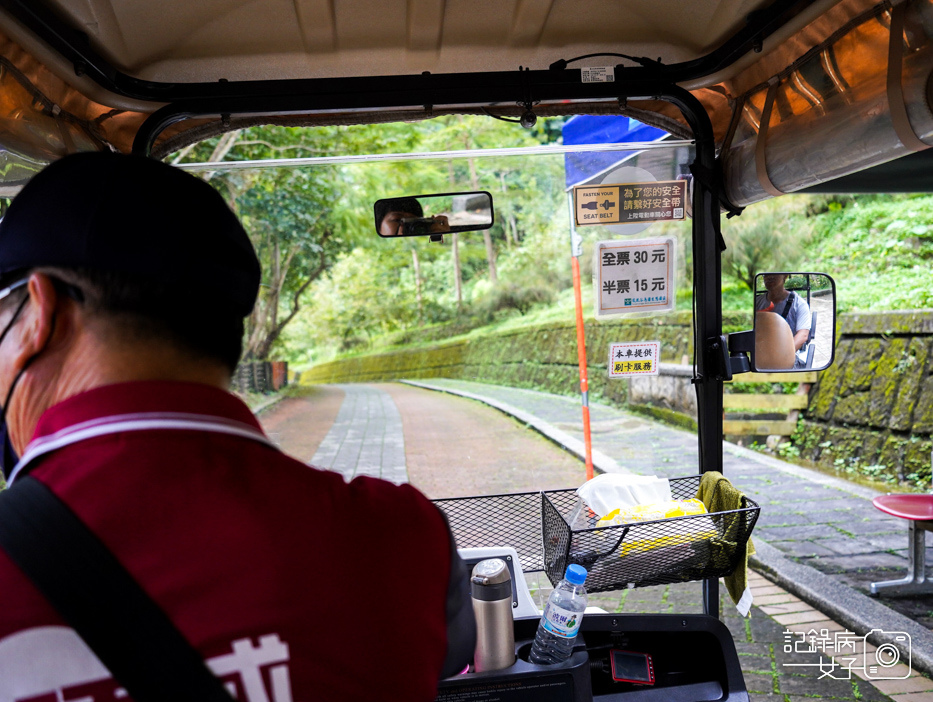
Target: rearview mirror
[433,215]
[795,322]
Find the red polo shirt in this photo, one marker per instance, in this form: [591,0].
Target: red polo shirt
[292,583]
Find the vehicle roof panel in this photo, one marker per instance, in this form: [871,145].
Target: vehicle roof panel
[181,40]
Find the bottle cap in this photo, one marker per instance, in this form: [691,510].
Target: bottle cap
[492,571]
[575,574]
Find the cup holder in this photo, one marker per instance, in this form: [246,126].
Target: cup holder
[524,651]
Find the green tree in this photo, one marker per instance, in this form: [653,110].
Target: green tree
[299,219]
[767,236]
[314,232]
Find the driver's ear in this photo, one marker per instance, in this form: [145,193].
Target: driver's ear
[45,317]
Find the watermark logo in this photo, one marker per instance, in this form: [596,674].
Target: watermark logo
[841,652]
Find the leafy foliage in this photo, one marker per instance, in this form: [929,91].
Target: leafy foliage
[879,249]
[301,220]
[331,286]
[517,297]
[768,236]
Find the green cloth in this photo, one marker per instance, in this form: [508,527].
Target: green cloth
[718,494]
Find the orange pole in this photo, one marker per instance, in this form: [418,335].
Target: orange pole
[581,357]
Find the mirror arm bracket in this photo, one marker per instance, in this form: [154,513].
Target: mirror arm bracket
[741,344]
[740,363]
[717,355]
[741,341]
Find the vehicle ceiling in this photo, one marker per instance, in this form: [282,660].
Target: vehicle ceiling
[723,51]
[181,40]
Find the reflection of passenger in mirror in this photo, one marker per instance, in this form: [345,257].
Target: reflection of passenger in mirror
[436,224]
[774,344]
[390,213]
[792,308]
[404,215]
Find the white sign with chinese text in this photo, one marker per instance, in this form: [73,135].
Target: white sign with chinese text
[634,358]
[635,275]
[598,74]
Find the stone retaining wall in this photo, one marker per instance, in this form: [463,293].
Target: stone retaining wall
[541,357]
[872,411]
[669,396]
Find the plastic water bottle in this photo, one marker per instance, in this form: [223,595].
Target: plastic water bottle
[561,620]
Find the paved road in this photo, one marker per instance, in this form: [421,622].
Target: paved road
[814,519]
[817,535]
[403,433]
[366,437]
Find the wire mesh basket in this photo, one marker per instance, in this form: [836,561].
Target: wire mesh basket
[499,520]
[550,530]
[673,550]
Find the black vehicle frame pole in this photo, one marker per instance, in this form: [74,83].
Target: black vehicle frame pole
[712,360]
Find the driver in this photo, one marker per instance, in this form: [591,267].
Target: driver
[124,285]
[792,308]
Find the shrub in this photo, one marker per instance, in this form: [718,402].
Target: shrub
[517,297]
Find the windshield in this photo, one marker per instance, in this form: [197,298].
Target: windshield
[391,336]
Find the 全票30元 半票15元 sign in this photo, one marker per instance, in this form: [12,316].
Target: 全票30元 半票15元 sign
[635,275]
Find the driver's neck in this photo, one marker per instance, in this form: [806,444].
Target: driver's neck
[92,361]
[777,295]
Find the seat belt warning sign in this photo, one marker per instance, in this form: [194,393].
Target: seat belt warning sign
[627,203]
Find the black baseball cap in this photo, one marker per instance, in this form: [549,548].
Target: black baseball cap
[132,215]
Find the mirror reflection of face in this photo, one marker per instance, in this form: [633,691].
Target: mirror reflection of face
[774,282]
[392,221]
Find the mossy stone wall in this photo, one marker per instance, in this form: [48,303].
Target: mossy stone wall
[542,357]
[872,411]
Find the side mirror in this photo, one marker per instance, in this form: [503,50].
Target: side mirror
[794,323]
[433,215]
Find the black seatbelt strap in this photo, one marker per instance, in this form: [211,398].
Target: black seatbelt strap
[787,305]
[100,600]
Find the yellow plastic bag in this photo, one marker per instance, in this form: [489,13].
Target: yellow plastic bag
[681,532]
[650,512]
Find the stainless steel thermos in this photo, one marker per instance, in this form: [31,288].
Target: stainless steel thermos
[491,588]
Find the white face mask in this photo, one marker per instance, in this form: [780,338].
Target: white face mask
[8,455]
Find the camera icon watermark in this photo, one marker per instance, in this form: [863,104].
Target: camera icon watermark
[842,652]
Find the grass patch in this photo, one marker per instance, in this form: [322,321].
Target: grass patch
[670,417]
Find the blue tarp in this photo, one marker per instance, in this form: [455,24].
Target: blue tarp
[601,129]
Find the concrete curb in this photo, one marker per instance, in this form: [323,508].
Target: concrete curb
[601,462]
[801,472]
[844,605]
[266,404]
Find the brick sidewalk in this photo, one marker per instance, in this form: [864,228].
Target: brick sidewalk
[759,641]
